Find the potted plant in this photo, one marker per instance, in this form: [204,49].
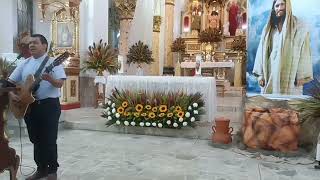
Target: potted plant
[178,47]
[102,57]
[139,54]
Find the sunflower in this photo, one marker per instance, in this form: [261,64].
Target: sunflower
[120,110]
[169,114]
[152,115]
[139,107]
[178,108]
[161,114]
[163,108]
[124,104]
[144,114]
[148,107]
[136,114]
[180,114]
[154,109]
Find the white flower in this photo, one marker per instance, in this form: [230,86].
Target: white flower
[195,105]
[160,125]
[133,123]
[109,102]
[175,125]
[181,119]
[148,124]
[113,110]
[168,122]
[195,112]
[108,113]
[113,105]
[109,118]
[187,114]
[118,122]
[154,124]
[141,124]
[126,123]
[117,115]
[189,108]
[185,123]
[192,119]
[107,109]
[100,104]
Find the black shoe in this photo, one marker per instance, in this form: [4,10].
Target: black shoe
[38,175]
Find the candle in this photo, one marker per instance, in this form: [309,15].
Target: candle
[120,61]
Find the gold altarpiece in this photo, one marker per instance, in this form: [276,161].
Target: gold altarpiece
[65,37]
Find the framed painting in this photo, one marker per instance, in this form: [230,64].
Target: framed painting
[65,36]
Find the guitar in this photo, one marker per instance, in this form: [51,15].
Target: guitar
[25,90]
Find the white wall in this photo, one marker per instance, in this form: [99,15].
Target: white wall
[8,24]
[93,24]
[179,6]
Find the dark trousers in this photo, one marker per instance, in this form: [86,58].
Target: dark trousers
[42,122]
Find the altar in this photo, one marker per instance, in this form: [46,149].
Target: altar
[205,85]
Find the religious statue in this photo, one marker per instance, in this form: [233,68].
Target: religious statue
[214,21]
[233,17]
[196,23]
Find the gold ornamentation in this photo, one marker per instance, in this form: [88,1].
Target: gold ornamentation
[194,47]
[156,23]
[170,2]
[126,8]
[73,88]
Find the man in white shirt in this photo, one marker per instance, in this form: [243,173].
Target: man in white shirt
[43,116]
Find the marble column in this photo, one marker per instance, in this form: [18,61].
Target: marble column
[155,66]
[169,19]
[125,9]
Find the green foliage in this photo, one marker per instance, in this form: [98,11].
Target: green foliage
[6,68]
[102,57]
[139,53]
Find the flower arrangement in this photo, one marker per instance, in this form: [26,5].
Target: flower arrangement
[239,44]
[157,109]
[102,57]
[6,68]
[178,45]
[139,53]
[210,35]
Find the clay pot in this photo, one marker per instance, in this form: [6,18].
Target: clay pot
[222,131]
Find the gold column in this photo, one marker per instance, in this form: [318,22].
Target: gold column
[156,45]
[125,9]
[169,32]
[238,71]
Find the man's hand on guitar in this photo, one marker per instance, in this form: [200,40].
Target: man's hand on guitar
[14,97]
[47,77]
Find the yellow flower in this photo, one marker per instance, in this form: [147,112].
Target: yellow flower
[136,114]
[144,114]
[124,104]
[178,108]
[127,113]
[169,114]
[148,107]
[163,108]
[139,107]
[161,114]
[180,114]
[120,110]
[152,115]
[154,109]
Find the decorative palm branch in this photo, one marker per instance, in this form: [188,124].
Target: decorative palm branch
[178,45]
[6,68]
[210,35]
[309,108]
[102,57]
[239,44]
[139,53]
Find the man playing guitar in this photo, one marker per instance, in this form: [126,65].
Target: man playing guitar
[43,114]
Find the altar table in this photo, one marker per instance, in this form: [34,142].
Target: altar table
[205,85]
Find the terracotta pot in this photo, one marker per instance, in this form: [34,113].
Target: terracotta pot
[222,131]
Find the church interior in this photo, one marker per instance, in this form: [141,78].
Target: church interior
[178,69]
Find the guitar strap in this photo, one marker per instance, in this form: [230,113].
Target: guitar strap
[38,72]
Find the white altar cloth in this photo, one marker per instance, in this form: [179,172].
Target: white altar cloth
[205,85]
